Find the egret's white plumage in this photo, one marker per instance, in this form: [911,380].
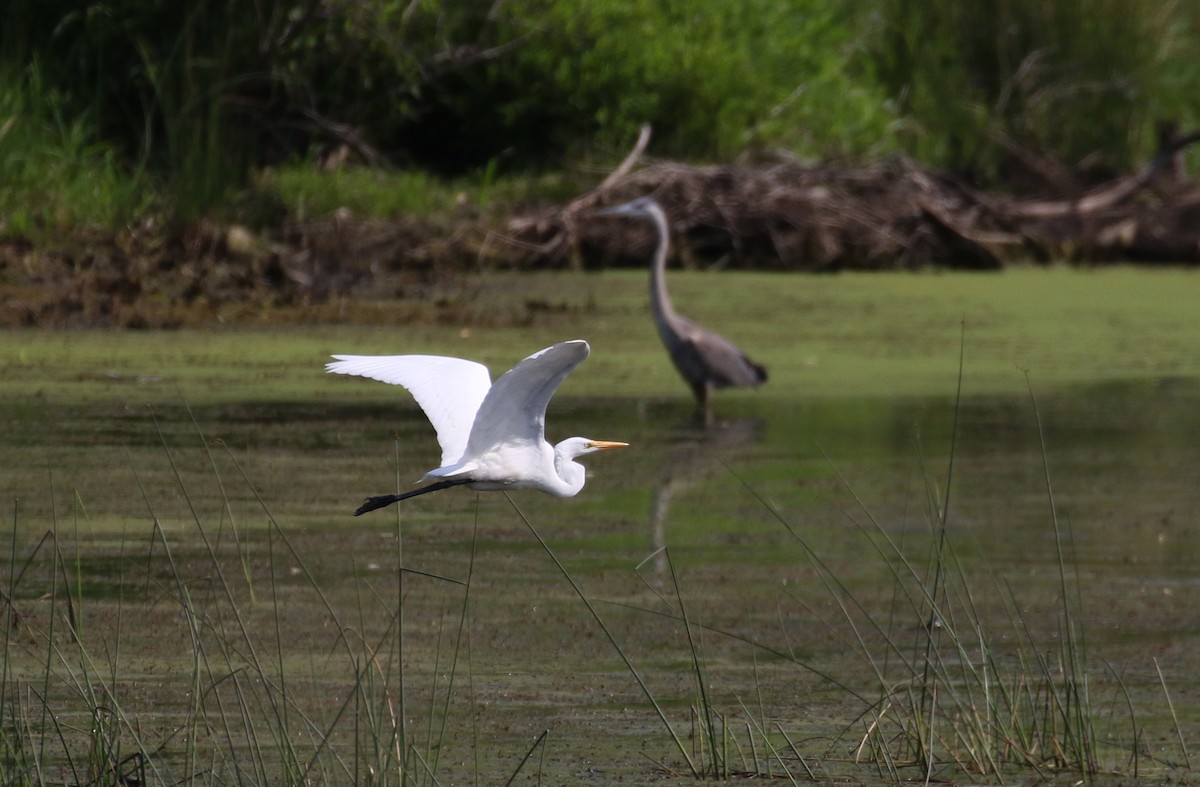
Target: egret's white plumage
[492,436]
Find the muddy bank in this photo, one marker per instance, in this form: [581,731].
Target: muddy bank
[777,214]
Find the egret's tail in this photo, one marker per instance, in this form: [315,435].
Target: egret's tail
[379,501]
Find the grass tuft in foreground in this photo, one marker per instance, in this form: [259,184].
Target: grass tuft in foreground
[229,702]
[263,677]
[954,695]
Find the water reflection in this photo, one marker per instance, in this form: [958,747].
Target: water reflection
[1122,459]
[698,452]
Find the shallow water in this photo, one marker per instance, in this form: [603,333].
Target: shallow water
[191,605]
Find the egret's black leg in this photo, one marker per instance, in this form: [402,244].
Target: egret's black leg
[379,501]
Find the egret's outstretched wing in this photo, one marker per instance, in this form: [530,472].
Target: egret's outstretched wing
[515,408]
[449,390]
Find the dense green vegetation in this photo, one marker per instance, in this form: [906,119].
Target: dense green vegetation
[118,111]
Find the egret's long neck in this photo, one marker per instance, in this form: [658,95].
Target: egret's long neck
[570,473]
[660,301]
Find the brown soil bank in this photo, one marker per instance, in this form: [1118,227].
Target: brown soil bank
[778,215]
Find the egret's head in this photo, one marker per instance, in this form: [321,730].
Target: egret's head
[578,446]
[572,473]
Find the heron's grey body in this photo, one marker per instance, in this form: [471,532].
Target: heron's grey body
[705,359]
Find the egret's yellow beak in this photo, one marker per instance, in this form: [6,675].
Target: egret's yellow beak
[601,445]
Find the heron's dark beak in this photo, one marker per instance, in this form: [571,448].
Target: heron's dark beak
[600,445]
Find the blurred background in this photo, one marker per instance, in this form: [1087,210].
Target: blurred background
[166,114]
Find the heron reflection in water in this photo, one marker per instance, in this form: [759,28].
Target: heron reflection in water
[697,457]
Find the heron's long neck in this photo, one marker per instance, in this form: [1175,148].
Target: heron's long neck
[660,301]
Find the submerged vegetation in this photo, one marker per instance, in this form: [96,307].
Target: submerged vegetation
[231,654]
[859,578]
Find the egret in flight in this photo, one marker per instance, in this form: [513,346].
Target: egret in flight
[492,436]
[705,359]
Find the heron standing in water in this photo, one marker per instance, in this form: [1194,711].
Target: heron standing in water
[705,359]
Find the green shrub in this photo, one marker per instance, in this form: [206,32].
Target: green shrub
[1072,80]
[57,178]
[205,92]
[712,79]
[202,95]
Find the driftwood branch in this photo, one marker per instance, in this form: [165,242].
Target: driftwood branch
[1111,194]
[788,215]
[521,229]
[588,200]
[347,135]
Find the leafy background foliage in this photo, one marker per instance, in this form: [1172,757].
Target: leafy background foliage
[178,105]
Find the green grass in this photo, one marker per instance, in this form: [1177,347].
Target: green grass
[859,335]
[307,192]
[365,193]
[60,181]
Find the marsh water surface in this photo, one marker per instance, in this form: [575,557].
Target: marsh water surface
[228,608]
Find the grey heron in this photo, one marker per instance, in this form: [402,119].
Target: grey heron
[492,436]
[705,359]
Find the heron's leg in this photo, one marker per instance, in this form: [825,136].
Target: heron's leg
[706,403]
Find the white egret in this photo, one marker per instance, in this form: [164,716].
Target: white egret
[492,436]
